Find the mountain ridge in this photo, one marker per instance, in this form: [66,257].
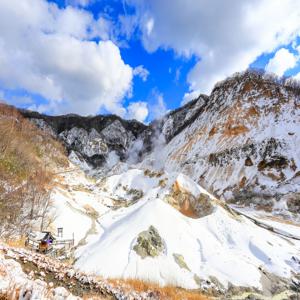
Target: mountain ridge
[230,124]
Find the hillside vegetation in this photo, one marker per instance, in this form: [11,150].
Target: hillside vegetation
[27,156]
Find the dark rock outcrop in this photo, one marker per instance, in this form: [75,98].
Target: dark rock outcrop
[92,138]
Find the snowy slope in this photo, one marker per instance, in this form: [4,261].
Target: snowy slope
[221,244]
[77,204]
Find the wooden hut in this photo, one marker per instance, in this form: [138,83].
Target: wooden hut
[41,241]
[48,243]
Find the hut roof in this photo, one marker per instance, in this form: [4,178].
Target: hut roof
[41,235]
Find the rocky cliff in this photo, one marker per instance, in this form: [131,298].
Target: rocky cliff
[243,146]
[90,139]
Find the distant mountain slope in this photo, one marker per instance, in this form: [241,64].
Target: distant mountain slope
[92,138]
[154,211]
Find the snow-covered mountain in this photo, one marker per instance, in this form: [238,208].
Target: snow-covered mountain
[205,198]
[243,145]
[240,143]
[90,140]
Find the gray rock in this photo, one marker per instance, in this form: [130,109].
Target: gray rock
[149,243]
[115,133]
[86,143]
[179,259]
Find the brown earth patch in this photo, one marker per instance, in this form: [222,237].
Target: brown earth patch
[277,162]
[212,132]
[252,112]
[188,204]
[235,130]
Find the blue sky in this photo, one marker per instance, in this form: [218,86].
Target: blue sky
[137,58]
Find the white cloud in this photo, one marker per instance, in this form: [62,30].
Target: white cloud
[142,72]
[225,36]
[282,61]
[138,111]
[103,28]
[127,25]
[47,51]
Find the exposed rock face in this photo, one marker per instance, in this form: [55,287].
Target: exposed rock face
[243,143]
[188,204]
[175,121]
[87,143]
[293,203]
[93,138]
[149,243]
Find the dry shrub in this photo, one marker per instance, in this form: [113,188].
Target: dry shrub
[13,293]
[27,156]
[252,112]
[166,292]
[16,243]
[212,132]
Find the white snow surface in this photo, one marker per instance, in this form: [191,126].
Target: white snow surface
[224,245]
[74,199]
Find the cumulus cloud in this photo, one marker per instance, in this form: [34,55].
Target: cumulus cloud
[141,72]
[48,51]
[138,111]
[282,61]
[225,36]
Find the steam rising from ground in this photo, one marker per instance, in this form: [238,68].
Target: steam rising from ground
[158,143]
[135,151]
[112,159]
